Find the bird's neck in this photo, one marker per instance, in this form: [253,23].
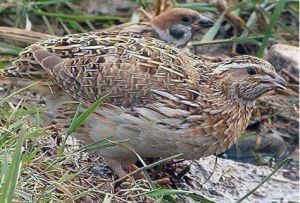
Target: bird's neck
[224,118]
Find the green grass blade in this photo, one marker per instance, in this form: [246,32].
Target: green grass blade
[194,196]
[200,7]
[250,24]
[98,145]
[64,26]
[147,176]
[79,17]
[75,26]
[78,120]
[9,49]
[278,9]
[166,199]
[47,3]
[4,167]
[107,198]
[5,99]
[23,112]
[282,164]
[48,25]
[76,115]
[212,32]
[11,180]
[162,161]
[238,40]
[79,12]
[4,7]
[245,136]
[38,118]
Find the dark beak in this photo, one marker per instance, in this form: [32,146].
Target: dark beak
[205,22]
[279,82]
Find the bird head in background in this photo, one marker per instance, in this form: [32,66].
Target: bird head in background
[177,26]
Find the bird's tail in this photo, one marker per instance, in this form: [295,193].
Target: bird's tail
[5,85]
[10,72]
[27,69]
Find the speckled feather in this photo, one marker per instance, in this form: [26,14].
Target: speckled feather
[159,103]
[79,45]
[163,100]
[69,46]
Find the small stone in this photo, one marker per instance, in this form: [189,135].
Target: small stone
[102,170]
[284,56]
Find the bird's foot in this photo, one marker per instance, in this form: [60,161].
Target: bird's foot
[161,181]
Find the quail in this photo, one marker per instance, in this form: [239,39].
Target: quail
[163,101]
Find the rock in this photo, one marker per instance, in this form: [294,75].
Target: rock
[284,56]
[273,131]
[257,146]
[231,180]
[112,7]
[102,170]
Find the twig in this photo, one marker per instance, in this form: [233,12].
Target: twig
[145,14]
[147,167]
[291,76]
[78,17]
[238,40]
[231,16]
[216,161]
[282,164]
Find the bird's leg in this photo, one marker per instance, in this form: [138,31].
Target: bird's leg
[133,167]
[161,181]
[116,166]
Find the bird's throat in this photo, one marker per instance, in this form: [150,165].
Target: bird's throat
[221,122]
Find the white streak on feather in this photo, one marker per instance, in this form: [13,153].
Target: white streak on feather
[166,95]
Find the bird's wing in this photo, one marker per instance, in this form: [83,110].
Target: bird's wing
[135,72]
[69,46]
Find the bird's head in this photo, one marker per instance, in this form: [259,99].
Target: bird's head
[245,78]
[177,26]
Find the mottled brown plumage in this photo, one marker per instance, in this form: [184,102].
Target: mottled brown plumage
[163,100]
[175,26]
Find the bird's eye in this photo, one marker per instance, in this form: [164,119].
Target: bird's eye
[185,19]
[251,71]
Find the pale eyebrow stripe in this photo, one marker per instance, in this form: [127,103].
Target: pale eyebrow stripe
[222,68]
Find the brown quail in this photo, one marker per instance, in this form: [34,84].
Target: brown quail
[163,101]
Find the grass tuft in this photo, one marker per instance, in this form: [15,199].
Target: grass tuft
[11,174]
[79,119]
[274,18]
